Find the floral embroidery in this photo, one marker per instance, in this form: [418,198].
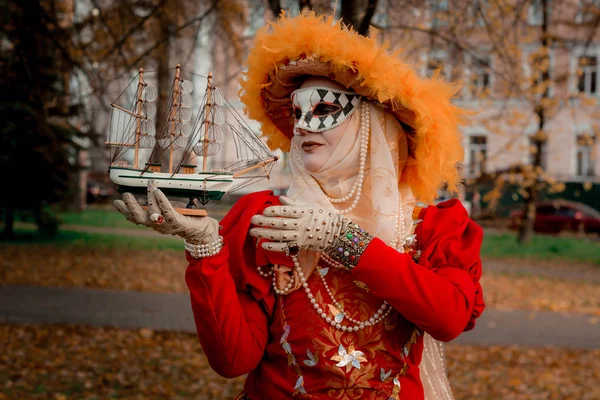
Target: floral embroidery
[299,386]
[348,358]
[362,285]
[396,391]
[312,359]
[405,352]
[384,375]
[338,315]
[355,384]
[391,321]
[353,371]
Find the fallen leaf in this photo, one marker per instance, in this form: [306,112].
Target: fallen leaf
[146,333]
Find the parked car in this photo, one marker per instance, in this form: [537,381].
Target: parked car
[554,216]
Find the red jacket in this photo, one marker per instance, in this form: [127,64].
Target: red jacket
[287,349]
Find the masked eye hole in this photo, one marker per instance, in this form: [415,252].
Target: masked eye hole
[323,109]
[297,112]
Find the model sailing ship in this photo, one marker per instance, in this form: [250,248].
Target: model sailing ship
[182,140]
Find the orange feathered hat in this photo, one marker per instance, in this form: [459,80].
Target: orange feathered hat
[287,51]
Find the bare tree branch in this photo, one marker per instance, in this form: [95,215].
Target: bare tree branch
[304,5]
[275,6]
[363,28]
[119,43]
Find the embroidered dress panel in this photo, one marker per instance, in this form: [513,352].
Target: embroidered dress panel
[240,325]
[325,362]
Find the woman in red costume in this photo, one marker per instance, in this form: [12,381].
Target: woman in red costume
[344,288]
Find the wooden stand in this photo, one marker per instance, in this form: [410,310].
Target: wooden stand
[190,212]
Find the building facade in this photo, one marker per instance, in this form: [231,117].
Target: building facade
[511,59]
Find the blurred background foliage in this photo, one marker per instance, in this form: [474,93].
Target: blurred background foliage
[527,68]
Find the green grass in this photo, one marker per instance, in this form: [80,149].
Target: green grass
[98,240]
[494,246]
[108,217]
[101,217]
[542,248]
[98,217]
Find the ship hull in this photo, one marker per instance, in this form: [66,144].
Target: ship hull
[211,185]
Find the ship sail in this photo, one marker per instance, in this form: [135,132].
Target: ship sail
[133,126]
[219,124]
[211,149]
[212,133]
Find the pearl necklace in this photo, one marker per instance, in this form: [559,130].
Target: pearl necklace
[379,315]
[264,274]
[365,127]
[331,262]
[398,241]
[285,290]
[383,311]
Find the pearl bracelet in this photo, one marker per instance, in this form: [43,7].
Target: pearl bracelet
[350,245]
[201,250]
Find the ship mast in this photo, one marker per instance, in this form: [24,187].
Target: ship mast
[138,123]
[207,107]
[174,107]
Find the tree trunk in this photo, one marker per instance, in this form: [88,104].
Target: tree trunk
[526,229]
[47,224]
[532,189]
[275,7]
[9,222]
[358,14]
[164,90]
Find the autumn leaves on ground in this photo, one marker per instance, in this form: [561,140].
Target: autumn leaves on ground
[76,362]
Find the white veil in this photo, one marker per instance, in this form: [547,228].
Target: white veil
[383,198]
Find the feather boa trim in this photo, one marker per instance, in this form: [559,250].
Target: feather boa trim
[291,48]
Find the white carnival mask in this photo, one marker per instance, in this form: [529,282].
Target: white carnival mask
[318,109]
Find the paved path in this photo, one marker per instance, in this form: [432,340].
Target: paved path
[559,270]
[168,311]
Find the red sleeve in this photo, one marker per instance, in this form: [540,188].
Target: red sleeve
[441,294]
[231,302]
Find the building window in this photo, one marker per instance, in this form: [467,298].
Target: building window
[481,76]
[382,16]
[588,74]
[585,161]
[477,154]
[535,13]
[256,20]
[543,153]
[440,14]
[587,11]
[478,11]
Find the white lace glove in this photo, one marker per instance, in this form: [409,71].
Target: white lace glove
[289,225]
[162,217]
